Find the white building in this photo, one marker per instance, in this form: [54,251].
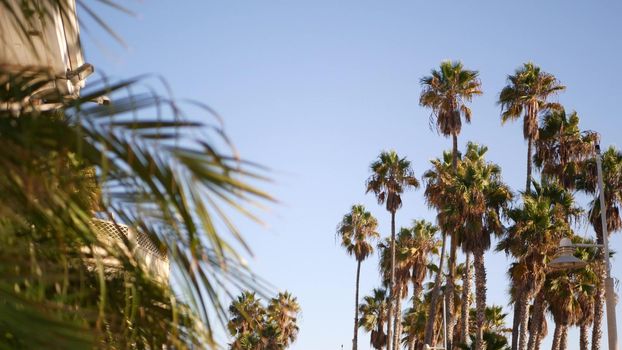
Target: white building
[44,36]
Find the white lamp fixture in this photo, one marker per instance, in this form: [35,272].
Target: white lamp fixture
[565,260]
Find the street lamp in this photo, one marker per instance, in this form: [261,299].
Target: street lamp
[566,261]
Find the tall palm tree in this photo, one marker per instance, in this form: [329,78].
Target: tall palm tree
[246,322]
[391,176]
[537,226]
[420,244]
[527,94]
[446,92]
[402,274]
[587,182]
[374,315]
[357,229]
[479,195]
[561,147]
[283,312]
[438,179]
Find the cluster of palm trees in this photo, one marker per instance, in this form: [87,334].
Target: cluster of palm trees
[257,327]
[473,204]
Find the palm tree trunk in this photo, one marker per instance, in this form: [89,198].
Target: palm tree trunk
[516,320]
[397,324]
[524,320]
[556,336]
[416,291]
[597,330]
[356,307]
[480,297]
[449,295]
[429,327]
[536,320]
[391,284]
[563,339]
[584,341]
[528,182]
[467,276]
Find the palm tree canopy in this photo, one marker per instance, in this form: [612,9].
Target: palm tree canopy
[612,179]
[391,176]
[417,243]
[437,193]
[477,196]
[526,94]
[374,315]
[357,229]
[538,224]
[446,92]
[561,147]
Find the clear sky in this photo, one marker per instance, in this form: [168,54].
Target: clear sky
[316,89]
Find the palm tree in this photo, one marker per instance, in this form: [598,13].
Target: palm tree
[538,225]
[587,182]
[283,312]
[402,274]
[561,147]
[247,321]
[559,290]
[479,195]
[420,244]
[391,176]
[438,179]
[357,229]
[527,94]
[446,92]
[374,315]
[255,327]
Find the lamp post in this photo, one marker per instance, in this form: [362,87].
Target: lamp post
[565,259]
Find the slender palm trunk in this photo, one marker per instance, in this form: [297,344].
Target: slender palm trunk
[597,330]
[449,295]
[391,284]
[397,324]
[528,182]
[524,320]
[536,320]
[467,276]
[584,341]
[416,291]
[356,307]
[480,297]
[429,327]
[556,337]
[563,339]
[516,320]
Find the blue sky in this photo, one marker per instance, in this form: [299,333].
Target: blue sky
[316,89]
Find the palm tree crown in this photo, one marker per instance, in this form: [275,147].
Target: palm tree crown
[446,92]
[357,229]
[391,176]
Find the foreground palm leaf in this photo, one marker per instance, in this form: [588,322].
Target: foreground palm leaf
[138,161]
